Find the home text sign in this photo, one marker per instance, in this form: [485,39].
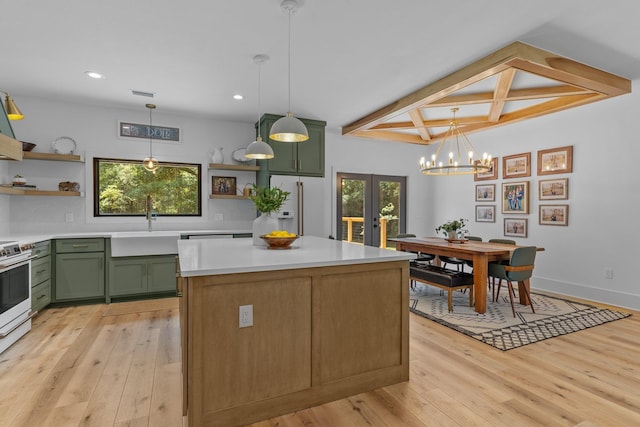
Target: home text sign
[159,133]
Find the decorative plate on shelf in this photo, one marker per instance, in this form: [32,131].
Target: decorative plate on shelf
[64,145]
[238,156]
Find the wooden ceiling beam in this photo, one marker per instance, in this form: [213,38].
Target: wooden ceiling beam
[418,122]
[430,123]
[391,136]
[503,85]
[514,95]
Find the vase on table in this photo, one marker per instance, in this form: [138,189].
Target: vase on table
[264,224]
[452,235]
[218,156]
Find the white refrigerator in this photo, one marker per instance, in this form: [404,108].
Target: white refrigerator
[307,206]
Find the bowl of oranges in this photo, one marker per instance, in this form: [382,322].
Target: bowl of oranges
[279,239]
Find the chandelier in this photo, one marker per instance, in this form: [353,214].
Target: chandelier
[463,159]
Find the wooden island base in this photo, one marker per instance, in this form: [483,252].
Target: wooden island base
[318,334]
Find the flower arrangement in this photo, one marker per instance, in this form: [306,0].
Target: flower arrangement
[268,199]
[457,226]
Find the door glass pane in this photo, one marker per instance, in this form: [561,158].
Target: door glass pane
[388,211]
[353,209]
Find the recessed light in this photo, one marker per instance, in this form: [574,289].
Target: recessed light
[238,96]
[94,75]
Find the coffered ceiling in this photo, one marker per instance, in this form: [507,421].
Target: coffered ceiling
[515,83]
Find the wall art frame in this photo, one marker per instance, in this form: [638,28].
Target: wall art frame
[555,160]
[223,185]
[516,166]
[553,189]
[553,215]
[515,197]
[485,193]
[129,130]
[491,174]
[485,213]
[516,227]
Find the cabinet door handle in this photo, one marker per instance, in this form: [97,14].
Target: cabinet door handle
[79,246]
[40,271]
[41,296]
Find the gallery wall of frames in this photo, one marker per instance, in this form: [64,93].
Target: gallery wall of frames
[513,192]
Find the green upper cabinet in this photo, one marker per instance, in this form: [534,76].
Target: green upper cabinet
[293,158]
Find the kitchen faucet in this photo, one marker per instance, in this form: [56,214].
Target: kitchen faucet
[149,209]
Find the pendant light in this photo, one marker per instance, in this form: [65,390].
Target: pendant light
[13,112]
[259,149]
[150,163]
[289,128]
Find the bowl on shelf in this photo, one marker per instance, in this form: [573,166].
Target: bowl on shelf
[279,242]
[27,146]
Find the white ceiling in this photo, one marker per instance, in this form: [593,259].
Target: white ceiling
[349,57]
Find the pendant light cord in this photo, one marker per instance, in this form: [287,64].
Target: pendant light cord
[150,134]
[259,98]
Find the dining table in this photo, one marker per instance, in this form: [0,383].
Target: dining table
[481,253]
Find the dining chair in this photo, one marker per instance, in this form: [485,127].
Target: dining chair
[422,259]
[473,239]
[491,281]
[518,269]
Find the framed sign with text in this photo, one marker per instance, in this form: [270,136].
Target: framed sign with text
[142,131]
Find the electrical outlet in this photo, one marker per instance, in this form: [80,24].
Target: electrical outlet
[218,217]
[608,273]
[68,217]
[246,316]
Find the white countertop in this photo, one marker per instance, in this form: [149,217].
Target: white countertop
[207,257]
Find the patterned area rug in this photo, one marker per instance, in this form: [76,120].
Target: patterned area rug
[498,328]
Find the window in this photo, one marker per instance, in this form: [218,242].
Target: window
[121,188]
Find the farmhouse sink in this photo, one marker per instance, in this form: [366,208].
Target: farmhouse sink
[142,243]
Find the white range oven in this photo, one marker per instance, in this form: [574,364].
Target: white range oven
[15,292]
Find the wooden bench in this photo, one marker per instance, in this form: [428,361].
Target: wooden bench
[443,278]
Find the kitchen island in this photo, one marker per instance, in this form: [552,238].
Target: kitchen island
[329,319]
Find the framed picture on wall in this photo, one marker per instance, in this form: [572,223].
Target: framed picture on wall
[490,174]
[515,197]
[486,193]
[223,185]
[515,227]
[516,166]
[553,189]
[485,213]
[555,160]
[553,215]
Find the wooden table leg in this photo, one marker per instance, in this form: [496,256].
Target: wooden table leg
[480,270]
[521,293]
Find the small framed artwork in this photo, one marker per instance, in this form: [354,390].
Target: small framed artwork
[553,215]
[515,227]
[224,185]
[486,193]
[515,197]
[555,160]
[485,213]
[516,166]
[553,189]
[142,131]
[490,174]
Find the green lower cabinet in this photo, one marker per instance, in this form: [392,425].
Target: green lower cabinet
[41,295]
[79,275]
[141,275]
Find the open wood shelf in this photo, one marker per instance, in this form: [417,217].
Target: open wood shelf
[227,196]
[24,192]
[222,166]
[28,155]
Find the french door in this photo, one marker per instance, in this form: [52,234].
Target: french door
[371,208]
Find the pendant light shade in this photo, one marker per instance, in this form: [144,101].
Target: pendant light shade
[150,163]
[259,149]
[289,128]
[13,112]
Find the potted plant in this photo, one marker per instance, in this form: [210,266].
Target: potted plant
[453,229]
[267,200]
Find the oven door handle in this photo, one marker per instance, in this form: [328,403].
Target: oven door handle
[3,266]
[5,334]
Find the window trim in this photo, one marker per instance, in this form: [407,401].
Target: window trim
[96,195]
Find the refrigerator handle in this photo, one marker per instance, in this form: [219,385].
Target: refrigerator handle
[300,188]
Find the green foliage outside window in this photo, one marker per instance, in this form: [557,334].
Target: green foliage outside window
[121,188]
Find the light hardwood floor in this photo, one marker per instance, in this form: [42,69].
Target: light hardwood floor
[119,365]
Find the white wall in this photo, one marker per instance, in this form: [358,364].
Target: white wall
[602,188]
